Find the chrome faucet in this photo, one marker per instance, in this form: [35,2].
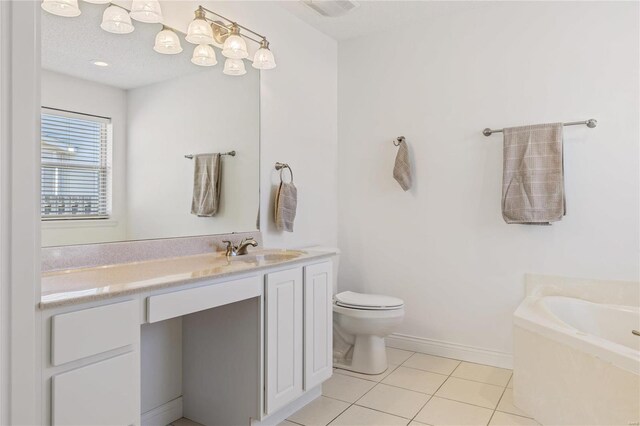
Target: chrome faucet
[241,248]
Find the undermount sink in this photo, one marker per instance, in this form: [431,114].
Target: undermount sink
[269,256]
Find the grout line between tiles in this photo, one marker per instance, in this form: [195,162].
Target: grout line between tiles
[448,376]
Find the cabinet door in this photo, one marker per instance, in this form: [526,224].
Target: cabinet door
[318,324]
[283,338]
[103,393]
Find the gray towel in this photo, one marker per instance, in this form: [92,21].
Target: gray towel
[286,204]
[206,184]
[402,169]
[533,174]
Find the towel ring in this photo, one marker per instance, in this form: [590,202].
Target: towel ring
[398,140]
[281,166]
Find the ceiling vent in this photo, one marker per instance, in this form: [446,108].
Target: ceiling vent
[331,8]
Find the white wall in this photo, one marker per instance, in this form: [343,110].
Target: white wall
[443,247]
[87,97]
[298,116]
[203,112]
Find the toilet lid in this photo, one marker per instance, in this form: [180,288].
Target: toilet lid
[350,299]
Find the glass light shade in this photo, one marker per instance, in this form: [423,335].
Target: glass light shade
[263,59]
[116,20]
[234,67]
[67,8]
[199,32]
[204,55]
[167,42]
[234,46]
[98,1]
[146,11]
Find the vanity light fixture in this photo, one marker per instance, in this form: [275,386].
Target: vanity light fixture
[263,59]
[199,30]
[167,42]
[147,11]
[234,67]
[100,63]
[116,20]
[66,8]
[202,31]
[234,46]
[204,55]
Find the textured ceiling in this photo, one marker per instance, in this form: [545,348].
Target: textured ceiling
[69,45]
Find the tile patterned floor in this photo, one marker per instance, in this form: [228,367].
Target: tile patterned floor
[416,389]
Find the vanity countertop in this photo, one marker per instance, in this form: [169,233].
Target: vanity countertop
[72,286]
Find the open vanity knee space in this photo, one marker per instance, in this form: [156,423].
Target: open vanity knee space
[219,340]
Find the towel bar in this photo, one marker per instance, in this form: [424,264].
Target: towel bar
[591,123]
[231,153]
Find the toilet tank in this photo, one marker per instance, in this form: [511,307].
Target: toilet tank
[334,259]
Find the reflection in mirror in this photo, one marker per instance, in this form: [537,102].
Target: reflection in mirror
[118,119]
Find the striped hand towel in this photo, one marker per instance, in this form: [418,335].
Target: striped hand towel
[533,175]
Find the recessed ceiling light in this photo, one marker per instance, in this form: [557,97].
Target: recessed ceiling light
[100,63]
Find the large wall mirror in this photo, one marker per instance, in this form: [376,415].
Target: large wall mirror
[118,120]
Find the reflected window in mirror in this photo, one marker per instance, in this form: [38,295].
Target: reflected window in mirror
[161,108]
[75,172]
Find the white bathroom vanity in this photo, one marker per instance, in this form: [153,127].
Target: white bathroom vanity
[221,341]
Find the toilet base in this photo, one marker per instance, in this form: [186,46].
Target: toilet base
[369,356]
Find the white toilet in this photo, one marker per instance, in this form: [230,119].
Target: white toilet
[360,324]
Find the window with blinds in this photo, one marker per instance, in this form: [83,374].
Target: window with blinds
[75,166]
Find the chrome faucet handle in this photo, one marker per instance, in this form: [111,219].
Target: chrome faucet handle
[231,249]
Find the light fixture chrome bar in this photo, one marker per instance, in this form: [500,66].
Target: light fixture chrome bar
[233,22]
[217,24]
[231,153]
[591,123]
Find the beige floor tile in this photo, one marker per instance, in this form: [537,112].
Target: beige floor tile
[393,400]
[371,377]
[504,419]
[435,364]
[346,388]
[439,411]
[506,404]
[510,384]
[320,411]
[185,422]
[397,356]
[415,380]
[482,373]
[414,423]
[287,423]
[475,393]
[356,416]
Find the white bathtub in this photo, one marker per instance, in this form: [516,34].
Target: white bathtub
[576,361]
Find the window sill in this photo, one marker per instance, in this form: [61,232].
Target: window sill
[83,223]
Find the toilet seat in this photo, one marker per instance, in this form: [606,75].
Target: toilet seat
[374,302]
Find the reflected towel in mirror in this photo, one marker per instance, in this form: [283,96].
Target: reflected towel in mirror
[206,184]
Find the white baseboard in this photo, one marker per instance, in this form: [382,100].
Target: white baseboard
[164,414]
[286,411]
[450,350]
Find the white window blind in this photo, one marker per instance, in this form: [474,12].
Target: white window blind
[75,166]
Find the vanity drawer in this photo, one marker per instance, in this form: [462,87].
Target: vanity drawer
[92,331]
[103,393]
[183,302]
